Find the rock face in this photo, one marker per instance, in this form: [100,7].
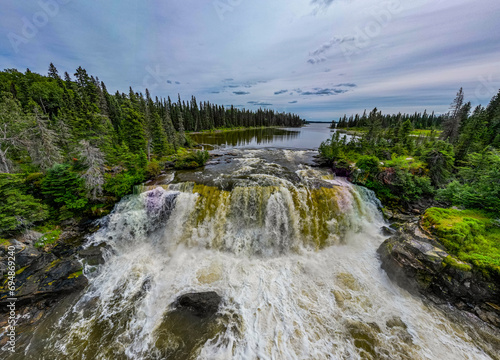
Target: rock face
[202,305]
[418,263]
[42,276]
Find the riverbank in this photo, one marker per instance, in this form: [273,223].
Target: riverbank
[417,260]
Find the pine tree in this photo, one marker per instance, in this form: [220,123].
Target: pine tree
[451,125]
[53,73]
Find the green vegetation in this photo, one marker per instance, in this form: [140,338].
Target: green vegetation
[472,235]
[49,237]
[461,167]
[69,148]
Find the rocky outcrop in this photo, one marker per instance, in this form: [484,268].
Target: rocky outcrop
[418,263]
[202,305]
[43,276]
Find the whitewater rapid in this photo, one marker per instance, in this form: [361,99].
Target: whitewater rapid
[292,253]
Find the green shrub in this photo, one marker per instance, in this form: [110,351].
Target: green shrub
[63,187]
[369,164]
[478,184]
[192,160]
[153,169]
[122,184]
[17,208]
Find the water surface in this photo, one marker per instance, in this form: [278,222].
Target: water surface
[307,137]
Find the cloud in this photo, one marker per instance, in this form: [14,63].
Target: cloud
[293,102]
[280,92]
[347,85]
[259,103]
[178,83]
[316,61]
[321,92]
[215,92]
[241,92]
[228,80]
[327,46]
[322,3]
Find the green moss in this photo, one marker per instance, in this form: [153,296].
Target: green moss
[75,275]
[20,270]
[472,236]
[453,262]
[52,264]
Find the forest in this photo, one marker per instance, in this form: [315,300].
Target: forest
[450,169]
[70,148]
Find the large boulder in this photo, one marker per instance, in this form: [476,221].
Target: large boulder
[418,263]
[203,305]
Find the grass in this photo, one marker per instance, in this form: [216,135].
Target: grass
[418,132]
[404,162]
[228,129]
[471,235]
[49,237]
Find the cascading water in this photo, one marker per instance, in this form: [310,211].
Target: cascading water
[291,251]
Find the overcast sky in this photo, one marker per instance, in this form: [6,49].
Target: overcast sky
[317,58]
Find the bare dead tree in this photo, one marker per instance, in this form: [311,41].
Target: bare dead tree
[13,131]
[452,122]
[93,158]
[42,142]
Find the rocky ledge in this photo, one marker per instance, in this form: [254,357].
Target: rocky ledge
[43,276]
[417,262]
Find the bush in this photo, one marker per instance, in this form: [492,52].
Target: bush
[121,184]
[332,149]
[192,160]
[63,187]
[18,209]
[153,169]
[478,184]
[369,164]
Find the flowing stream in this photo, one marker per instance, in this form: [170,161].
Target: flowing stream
[290,249]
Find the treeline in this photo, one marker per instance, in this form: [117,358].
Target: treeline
[459,165]
[68,146]
[417,120]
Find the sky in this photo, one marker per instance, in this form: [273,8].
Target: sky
[320,59]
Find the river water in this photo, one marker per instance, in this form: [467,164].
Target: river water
[290,249]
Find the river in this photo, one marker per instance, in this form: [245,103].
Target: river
[290,249]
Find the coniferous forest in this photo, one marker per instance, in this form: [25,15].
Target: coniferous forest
[68,146]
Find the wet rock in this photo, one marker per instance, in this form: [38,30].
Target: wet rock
[387,231]
[418,263]
[202,305]
[93,255]
[47,277]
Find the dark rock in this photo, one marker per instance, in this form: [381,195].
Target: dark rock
[30,237]
[47,277]
[202,305]
[93,255]
[26,256]
[387,231]
[169,164]
[421,265]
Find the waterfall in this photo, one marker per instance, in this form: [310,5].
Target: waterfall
[295,264]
